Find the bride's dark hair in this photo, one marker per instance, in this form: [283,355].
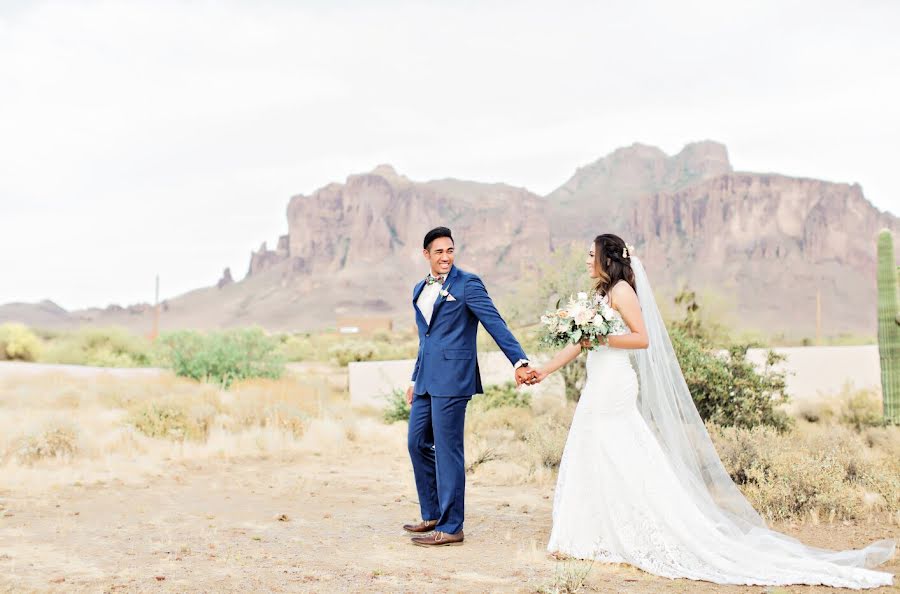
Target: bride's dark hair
[612,263]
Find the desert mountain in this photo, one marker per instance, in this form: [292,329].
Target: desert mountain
[767,243]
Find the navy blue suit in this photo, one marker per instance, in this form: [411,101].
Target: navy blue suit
[446,377]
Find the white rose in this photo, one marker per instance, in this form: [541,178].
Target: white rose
[584,316]
[576,310]
[582,296]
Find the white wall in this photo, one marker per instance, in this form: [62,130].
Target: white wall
[812,371]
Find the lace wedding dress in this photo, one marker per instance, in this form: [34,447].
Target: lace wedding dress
[640,483]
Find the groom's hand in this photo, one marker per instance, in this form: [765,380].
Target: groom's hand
[524,375]
[409,395]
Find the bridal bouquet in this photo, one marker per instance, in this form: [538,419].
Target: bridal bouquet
[582,318]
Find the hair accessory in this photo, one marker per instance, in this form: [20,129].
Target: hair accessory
[626,251]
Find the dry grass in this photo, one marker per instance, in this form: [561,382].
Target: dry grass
[59,428]
[814,471]
[827,469]
[243,479]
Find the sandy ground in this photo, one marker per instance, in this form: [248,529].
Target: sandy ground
[306,521]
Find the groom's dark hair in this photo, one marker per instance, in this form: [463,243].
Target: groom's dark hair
[435,234]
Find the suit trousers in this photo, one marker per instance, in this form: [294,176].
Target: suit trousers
[435,443]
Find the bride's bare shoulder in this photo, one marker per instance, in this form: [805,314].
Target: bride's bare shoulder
[622,290]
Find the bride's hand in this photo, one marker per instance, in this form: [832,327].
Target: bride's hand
[539,376]
[587,343]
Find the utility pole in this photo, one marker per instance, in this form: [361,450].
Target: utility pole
[155,331]
[819,317]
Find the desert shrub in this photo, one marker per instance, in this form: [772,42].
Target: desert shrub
[301,347]
[397,409]
[790,475]
[726,388]
[885,438]
[498,424]
[574,375]
[18,343]
[51,442]
[501,395]
[820,410]
[282,404]
[546,441]
[857,408]
[353,351]
[170,418]
[861,408]
[102,347]
[569,578]
[223,357]
[379,349]
[481,454]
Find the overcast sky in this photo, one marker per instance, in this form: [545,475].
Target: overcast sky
[166,137]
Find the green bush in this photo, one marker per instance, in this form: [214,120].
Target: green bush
[102,347]
[726,388]
[223,357]
[18,343]
[397,409]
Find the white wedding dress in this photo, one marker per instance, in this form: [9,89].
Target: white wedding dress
[628,491]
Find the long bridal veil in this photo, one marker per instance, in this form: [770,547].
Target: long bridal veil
[666,405]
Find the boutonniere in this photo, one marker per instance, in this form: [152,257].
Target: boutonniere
[445,292]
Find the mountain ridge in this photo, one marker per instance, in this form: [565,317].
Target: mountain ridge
[693,218]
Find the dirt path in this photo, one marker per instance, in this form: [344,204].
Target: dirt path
[214,527]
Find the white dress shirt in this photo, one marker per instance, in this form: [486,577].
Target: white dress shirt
[427,299]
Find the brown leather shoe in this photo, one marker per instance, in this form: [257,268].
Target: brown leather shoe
[439,539]
[421,527]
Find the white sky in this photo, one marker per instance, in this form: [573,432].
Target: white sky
[167,136]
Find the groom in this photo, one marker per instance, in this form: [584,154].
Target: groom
[448,305]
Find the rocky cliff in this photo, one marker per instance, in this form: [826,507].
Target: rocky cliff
[772,243]
[768,244]
[602,193]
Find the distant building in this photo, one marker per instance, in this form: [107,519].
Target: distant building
[368,325]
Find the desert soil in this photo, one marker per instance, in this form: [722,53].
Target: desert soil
[307,521]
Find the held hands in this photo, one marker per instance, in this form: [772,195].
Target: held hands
[525,375]
[539,376]
[530,376]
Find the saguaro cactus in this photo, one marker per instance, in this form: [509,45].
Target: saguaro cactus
[888,327]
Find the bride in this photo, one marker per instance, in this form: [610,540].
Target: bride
[640,481]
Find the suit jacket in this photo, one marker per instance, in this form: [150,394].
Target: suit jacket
[447,362]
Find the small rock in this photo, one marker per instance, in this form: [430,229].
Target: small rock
[282,518]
